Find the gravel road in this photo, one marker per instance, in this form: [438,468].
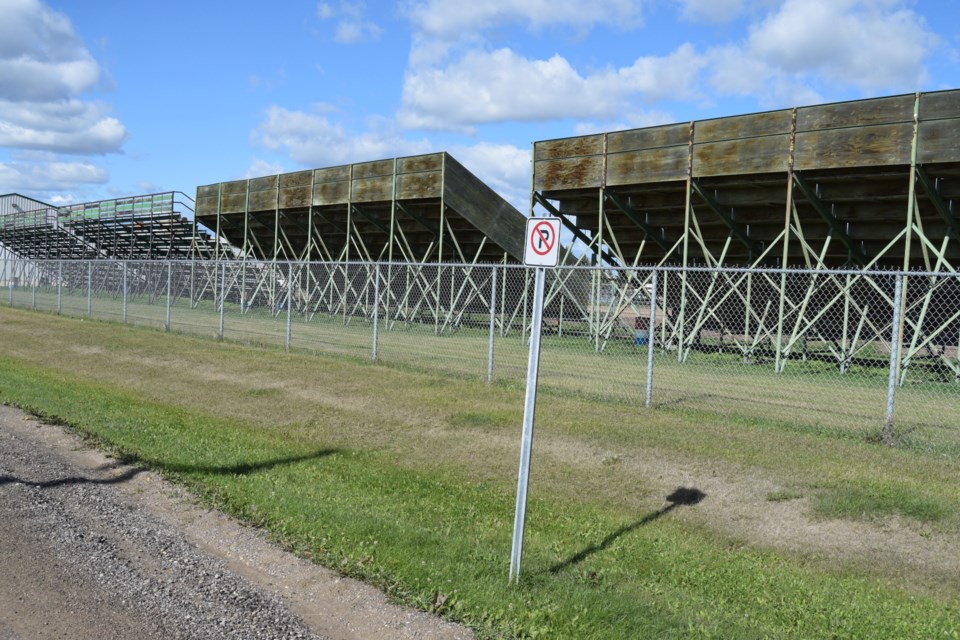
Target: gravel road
[90,548]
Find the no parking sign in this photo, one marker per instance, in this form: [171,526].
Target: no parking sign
[542,245]
[541,248]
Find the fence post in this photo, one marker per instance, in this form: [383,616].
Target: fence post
[59,286]
[223,297]
[651,331]
[166,323]
[887,434]
[33,288]
[376,310]
[289,305]
[8,274]
[493,323]
[90,288]
[124,291]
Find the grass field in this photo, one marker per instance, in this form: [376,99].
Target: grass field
[406,478]
[808,395]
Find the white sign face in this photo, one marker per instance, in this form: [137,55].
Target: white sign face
[541,247]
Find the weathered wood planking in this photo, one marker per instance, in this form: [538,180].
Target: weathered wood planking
[940,105]
[294,190]
[425,184]
[483,208]
[854,147]
[738,127]
[645,166]
[939,141]
[374,169]
[208,201]
[568,173]
[670,135]
[329,193]
[865,133]
[568,148]
[862,113]
[769,154]
[331,185]
[416,164]
[373,189]
[296,197]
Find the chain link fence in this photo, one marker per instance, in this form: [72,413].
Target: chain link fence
[859,354]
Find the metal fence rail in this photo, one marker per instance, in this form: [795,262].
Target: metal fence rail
[859,354]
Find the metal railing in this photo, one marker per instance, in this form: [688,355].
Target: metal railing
[870,355]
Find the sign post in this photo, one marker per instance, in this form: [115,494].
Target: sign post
[541,249]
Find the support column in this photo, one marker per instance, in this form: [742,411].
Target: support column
[688,212]
[785,262]
[911,213]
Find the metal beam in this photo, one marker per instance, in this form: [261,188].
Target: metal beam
[636,219]
[727,216]
[855,254]
[943,208]
[576,231]
[423,222]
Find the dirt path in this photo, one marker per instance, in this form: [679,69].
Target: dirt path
[91,548]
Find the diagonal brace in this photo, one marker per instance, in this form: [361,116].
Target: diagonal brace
[576,231]
[726,215]
[943,208]
[856,255]
[635,217]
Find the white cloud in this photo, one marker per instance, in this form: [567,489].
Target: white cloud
[312,140]
[41,58]
[503,167]
[872,46]
[52,176]
[260,167]
[352,24]
[45,69]
[502,86]
[445,19]
[67,126]
[710,11]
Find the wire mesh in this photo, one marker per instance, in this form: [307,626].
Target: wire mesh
[869,355]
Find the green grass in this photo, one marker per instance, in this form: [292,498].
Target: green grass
[406,479]
[879,500]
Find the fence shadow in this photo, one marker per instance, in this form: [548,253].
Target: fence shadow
[681,497]
[143,464]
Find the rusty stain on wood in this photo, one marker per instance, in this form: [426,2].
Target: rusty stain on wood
[568,173]
[748,126]
[568,147]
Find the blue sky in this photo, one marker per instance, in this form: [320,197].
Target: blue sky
[108,98]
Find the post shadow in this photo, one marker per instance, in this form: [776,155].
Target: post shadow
[681,497]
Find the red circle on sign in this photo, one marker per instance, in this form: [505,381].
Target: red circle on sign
[545,240]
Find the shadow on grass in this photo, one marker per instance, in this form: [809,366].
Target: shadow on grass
[681,497]
[144,464]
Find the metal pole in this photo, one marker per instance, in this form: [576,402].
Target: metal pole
[33,289]
[887,435]
[124,291]
[529,408]
[90,288]
[166,324]
[650,333]
[59,286]
[376,310]
[493,323]
[223,297]
[289,304]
